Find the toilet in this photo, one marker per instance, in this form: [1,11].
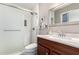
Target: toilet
[30,49]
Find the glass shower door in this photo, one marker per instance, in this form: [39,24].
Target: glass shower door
[11,30]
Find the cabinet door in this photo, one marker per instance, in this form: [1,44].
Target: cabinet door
[54,53]
[42,50]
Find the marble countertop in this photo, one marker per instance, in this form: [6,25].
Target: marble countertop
[74,42]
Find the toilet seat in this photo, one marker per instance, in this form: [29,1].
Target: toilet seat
[31,46]
[30,49]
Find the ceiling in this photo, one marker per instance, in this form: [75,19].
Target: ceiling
[26,5]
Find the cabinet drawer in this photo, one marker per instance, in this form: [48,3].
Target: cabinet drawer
[54,53]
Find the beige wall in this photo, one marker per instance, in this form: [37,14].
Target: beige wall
[44,13]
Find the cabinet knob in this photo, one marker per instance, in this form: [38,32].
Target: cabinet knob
[46,53]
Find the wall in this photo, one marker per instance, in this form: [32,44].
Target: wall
[70,30]
[35,23]
[44,13]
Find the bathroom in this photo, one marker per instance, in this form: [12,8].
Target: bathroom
[63,32]
[39,28]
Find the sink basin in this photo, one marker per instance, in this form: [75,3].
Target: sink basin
[61,38]
[66,40]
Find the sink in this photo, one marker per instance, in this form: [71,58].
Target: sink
[66,40]
[60,38]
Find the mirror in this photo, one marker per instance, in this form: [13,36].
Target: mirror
[65,14]
[74,15]
[70,16]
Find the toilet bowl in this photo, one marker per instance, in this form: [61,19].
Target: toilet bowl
[30,49]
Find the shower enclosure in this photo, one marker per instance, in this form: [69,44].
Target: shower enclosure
[14,35]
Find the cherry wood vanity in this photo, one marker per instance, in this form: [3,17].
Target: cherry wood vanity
[48,47]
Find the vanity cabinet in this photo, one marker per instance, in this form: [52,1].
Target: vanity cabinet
[47,47]
[42,50]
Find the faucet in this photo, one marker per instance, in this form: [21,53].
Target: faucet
[61,34]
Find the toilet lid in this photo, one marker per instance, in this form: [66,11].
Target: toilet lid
[31,46]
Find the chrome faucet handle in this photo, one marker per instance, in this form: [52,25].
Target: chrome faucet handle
[63,34]
[59,35]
